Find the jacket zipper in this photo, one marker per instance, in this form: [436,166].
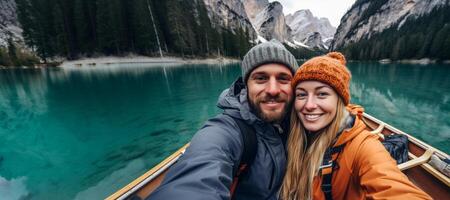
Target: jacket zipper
[272,174]
[272,178]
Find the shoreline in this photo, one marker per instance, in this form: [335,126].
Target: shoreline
[174,61]
[108,60]
[422,61]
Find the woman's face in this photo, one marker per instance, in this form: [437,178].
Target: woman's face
[315,104]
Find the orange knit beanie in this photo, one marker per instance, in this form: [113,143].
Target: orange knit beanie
[329,69]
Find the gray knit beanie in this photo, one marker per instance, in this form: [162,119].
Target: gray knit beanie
[264,53]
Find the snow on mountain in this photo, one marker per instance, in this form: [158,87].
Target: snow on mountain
[315,40]
[306,28]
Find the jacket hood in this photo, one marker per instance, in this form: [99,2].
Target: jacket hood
[233,101]
[348,134]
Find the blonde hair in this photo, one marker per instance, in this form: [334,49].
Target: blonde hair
[305,159]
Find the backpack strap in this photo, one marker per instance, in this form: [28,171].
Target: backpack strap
[329,165]
[248,155]
[327,168]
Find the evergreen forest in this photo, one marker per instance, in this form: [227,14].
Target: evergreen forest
[84,28]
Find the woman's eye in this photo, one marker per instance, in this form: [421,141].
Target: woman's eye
[322,94]
[301,95]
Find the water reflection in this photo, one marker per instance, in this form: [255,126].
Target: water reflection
[26,88]
[412,98]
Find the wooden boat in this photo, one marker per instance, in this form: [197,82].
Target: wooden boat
[418,170]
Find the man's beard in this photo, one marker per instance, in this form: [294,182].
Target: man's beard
[270,117]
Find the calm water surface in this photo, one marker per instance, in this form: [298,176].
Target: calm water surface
[84,133]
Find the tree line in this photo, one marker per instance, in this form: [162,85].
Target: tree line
[85,28]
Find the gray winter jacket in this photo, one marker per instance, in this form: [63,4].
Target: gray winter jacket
[207,168]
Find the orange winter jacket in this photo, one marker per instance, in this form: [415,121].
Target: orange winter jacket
[366,170]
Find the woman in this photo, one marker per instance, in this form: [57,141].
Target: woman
[328,142]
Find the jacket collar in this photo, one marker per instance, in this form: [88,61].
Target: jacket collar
[233,101]
[353,124]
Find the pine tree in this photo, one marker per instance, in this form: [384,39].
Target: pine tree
[35,24]
[60,38]
[26,19]
[108,31]
[143,33]
[85,26]
[150,10]
[4,57]
[174,14]
[12,52]
[45,34]
[159,9]
[189,23]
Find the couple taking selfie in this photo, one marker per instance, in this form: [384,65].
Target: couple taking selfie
[287,132]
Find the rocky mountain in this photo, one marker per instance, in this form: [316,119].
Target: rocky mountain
[254,7]
[304,25]
[367,18]
[9,26]
[270,23]
[301,29]
[229,14]
[327,42]
[314,40]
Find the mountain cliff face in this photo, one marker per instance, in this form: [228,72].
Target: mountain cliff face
[366,18]
[229,14]
[314,40]
[270,23]
[304,24]
[254,7]
[308,29]
[9,26]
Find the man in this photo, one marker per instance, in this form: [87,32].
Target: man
[261,99]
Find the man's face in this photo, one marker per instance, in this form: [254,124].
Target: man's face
[270,92]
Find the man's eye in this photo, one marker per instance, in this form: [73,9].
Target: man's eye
[260,78]
[284,79]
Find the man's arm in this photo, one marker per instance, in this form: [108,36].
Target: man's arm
[205,171]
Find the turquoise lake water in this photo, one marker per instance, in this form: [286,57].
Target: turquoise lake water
[84,133]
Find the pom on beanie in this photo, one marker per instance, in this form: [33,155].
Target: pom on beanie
[338,56]
[329,69]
